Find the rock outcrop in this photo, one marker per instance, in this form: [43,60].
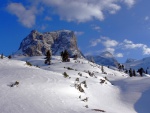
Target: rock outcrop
[37,44]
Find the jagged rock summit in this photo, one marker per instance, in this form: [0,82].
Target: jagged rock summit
[105,58]
[37,44]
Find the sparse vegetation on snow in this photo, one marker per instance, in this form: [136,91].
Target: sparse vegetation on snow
[31,89]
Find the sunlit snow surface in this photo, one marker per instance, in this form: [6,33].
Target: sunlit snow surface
[45,90]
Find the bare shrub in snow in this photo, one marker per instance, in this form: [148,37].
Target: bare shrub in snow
[14,84]
[84,82]
[87,106]
[77,79]
[85,100]
[65,75]
[28,63]
[102,81]
[79,87]
[80,74]
[69,68]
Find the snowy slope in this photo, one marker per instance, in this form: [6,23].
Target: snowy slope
[47,91]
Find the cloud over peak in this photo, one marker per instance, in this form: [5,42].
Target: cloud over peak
[85,10]
[69,10]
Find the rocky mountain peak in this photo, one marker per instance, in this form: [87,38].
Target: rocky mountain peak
[37,44]
[105,58]
[106,54]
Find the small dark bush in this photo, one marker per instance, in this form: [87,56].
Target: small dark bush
[80,96]
[9,56]
[14,84]
[79,87]
[2,56]
[87,106]
[85,100]
[77,79]
[65,75]
[28,63]
[84,82]
[80,74]
[69,68]
[102,81]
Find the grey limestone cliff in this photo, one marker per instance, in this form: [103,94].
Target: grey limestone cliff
[37,44]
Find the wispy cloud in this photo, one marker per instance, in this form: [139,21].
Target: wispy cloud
[129,3]
[118,49]
[130,45]
[95,27]
[146,50]
[78,33]
[48,18]
[95,42]
[85,10]
[43,27]
[77,10]
[146,18]
[111,50]
[25,15]
[108,42]
[119,55]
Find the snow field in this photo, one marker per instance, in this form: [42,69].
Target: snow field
[45,90]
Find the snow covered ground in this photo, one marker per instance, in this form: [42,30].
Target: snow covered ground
[46,90]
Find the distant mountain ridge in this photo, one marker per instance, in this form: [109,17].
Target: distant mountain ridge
[105,58]
[137,64]
[37,44]
[129,60]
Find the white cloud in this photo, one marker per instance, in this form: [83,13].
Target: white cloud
[119,55]
[127,41]
[25,16]
[130,45]
[146,50]
[111,50]
[113,46]
[130,3]
[43,27]
[109,43]
[95,27]
[146,18]
[78,33]
[70,10]
[95,42]
[85,10]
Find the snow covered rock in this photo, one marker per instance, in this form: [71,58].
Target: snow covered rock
[37,44]
[105,58]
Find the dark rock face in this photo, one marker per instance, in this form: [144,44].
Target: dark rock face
[37,44]
[106,59]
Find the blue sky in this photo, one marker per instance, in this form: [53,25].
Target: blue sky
[121,27]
